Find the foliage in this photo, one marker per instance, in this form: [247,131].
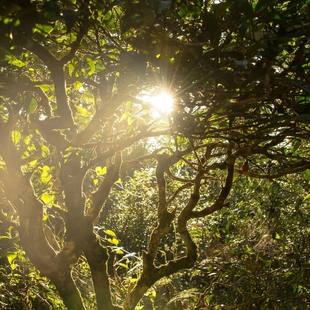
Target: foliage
[111,201]
[256,250]
[251,255]
[134,212]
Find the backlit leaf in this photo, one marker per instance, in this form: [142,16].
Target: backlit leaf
[16,136]
[100,171]
[113,241]
[110,233]
[47,198]
[33,105]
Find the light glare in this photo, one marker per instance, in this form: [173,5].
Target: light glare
[161,102]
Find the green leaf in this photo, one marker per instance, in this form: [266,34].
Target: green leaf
[33,163]
[254,4]
[47,198]
[16,136]
[46,29]
[77,85]
[12,60]
[70,69]
[307,197]
[5,237]
[45,176]
[83,112]
[181,140]
[151,293]
[16,23]
[306,174]
[61,39]
[118,251]
[110,232]
[7,20]
[113,241]
[2,164]
[11,258]
[33,105]
[127,117]
[100,171]
[123,265]
[27,140]
[295,145]
[45,87]
[45,151]
[92,66]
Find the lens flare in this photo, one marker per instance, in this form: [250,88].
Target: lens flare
[161,102]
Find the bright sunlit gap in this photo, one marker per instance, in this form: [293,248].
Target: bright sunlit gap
[160,101]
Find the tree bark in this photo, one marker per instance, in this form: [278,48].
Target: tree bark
[68,291]
[136,294]
[97,258]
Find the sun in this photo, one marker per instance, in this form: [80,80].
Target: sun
[160,101]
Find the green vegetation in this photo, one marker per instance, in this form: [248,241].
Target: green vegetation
[154,154]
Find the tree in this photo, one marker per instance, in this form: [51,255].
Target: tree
[74,124]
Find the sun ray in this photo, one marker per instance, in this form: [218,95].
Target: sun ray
[160,101]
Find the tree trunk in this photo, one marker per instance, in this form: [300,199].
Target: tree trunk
[97,257]
[101,285]
[68,291]
[133,298]
[143,284]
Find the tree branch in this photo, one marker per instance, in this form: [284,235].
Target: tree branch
[100,196]
[57,72]
[76,44]
[219,203]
